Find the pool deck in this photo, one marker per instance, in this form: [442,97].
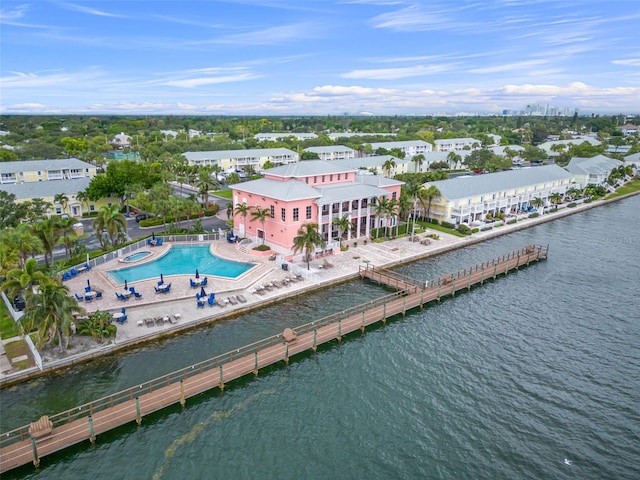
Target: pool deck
[181,301]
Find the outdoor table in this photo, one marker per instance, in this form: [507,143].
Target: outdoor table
[117,315]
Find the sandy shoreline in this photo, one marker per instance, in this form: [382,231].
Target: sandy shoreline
[181,301]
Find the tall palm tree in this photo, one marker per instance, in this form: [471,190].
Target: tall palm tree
[62,199]
[454,159]
[83,198]
[50,311]
[427,194]
[537,202]
[307,240]
[242,209]
[555,198]
[19,279]
[23,241]
[343,225]
[417,160]
[387,166]
[383,209]
[111,221]
[49,234]
[67,233]
[260,214]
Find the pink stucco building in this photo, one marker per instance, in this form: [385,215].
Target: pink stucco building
[312,191]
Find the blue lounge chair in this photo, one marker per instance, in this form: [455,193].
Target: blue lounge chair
[87,266]
[98,294]
[158,241]
[73,272]
[194,284]
[88,298]
[197,296]
[203,282]
[212,300]
[137,294]
[122,319]
[87,289]
[200,304]
[79,297]
[66,276]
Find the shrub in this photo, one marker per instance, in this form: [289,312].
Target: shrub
[262,248]
[434,221]
[462,228]
[475,230]
[448,225]
[512,221]
[588,200]
[572,204]
[533,215]
[486,229]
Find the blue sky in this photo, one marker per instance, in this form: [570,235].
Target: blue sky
[308,57]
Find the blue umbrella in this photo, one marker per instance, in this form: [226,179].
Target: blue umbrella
[161,279]
[89,284]
[125,285]
[197,273]
[153,235]
[202,292]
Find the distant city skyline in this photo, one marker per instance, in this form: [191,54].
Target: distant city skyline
[319,57]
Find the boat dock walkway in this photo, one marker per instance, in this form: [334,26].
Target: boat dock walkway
[21,446]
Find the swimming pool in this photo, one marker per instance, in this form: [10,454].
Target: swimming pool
[136,256]
[182,260]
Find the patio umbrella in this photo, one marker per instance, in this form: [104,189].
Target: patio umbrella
[153,235]
[161,279]
[125,285]
[202,292]
[197,273]
[89,284]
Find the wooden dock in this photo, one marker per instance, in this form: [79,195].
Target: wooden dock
[85,422]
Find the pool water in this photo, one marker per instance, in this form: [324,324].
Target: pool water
[136,256]
[182,260]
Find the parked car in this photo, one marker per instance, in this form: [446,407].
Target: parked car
[143,216]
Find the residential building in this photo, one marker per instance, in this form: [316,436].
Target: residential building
[47,191]
[332,152]
[469,199]
[457,144]
[235,160]
[375,165]
[29,171]
[274,137]
[629,129]
[121,140]
[634,160]
[593,170]
[336,135]
[409,147]
[313,191]
[555,147]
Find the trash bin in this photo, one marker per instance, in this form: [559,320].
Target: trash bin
[78,228]
[285,266]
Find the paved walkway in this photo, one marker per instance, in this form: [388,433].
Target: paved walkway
[181,301]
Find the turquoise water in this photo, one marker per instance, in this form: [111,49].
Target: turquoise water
[136,256]
[503,382]
[182,260]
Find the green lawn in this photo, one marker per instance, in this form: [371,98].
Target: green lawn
[8,328]
[440,228]
[629,187]
[224,194]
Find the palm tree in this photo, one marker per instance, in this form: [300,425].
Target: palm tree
[454,160]
[387,166]
[61,199]
[427,194]
[555,198]
[68,233]
[343,225]
[83,198]
[260,214]
[111,221]
[23,241]
[50,310]
[243,210]
[307,240]
[49,234]
[537,202]
[19,279]
[383,209]
[418,161]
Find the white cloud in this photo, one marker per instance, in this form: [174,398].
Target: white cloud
[268,36]
[630,62]
[396,73]
[90,11]
[198,82]
[509,67]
